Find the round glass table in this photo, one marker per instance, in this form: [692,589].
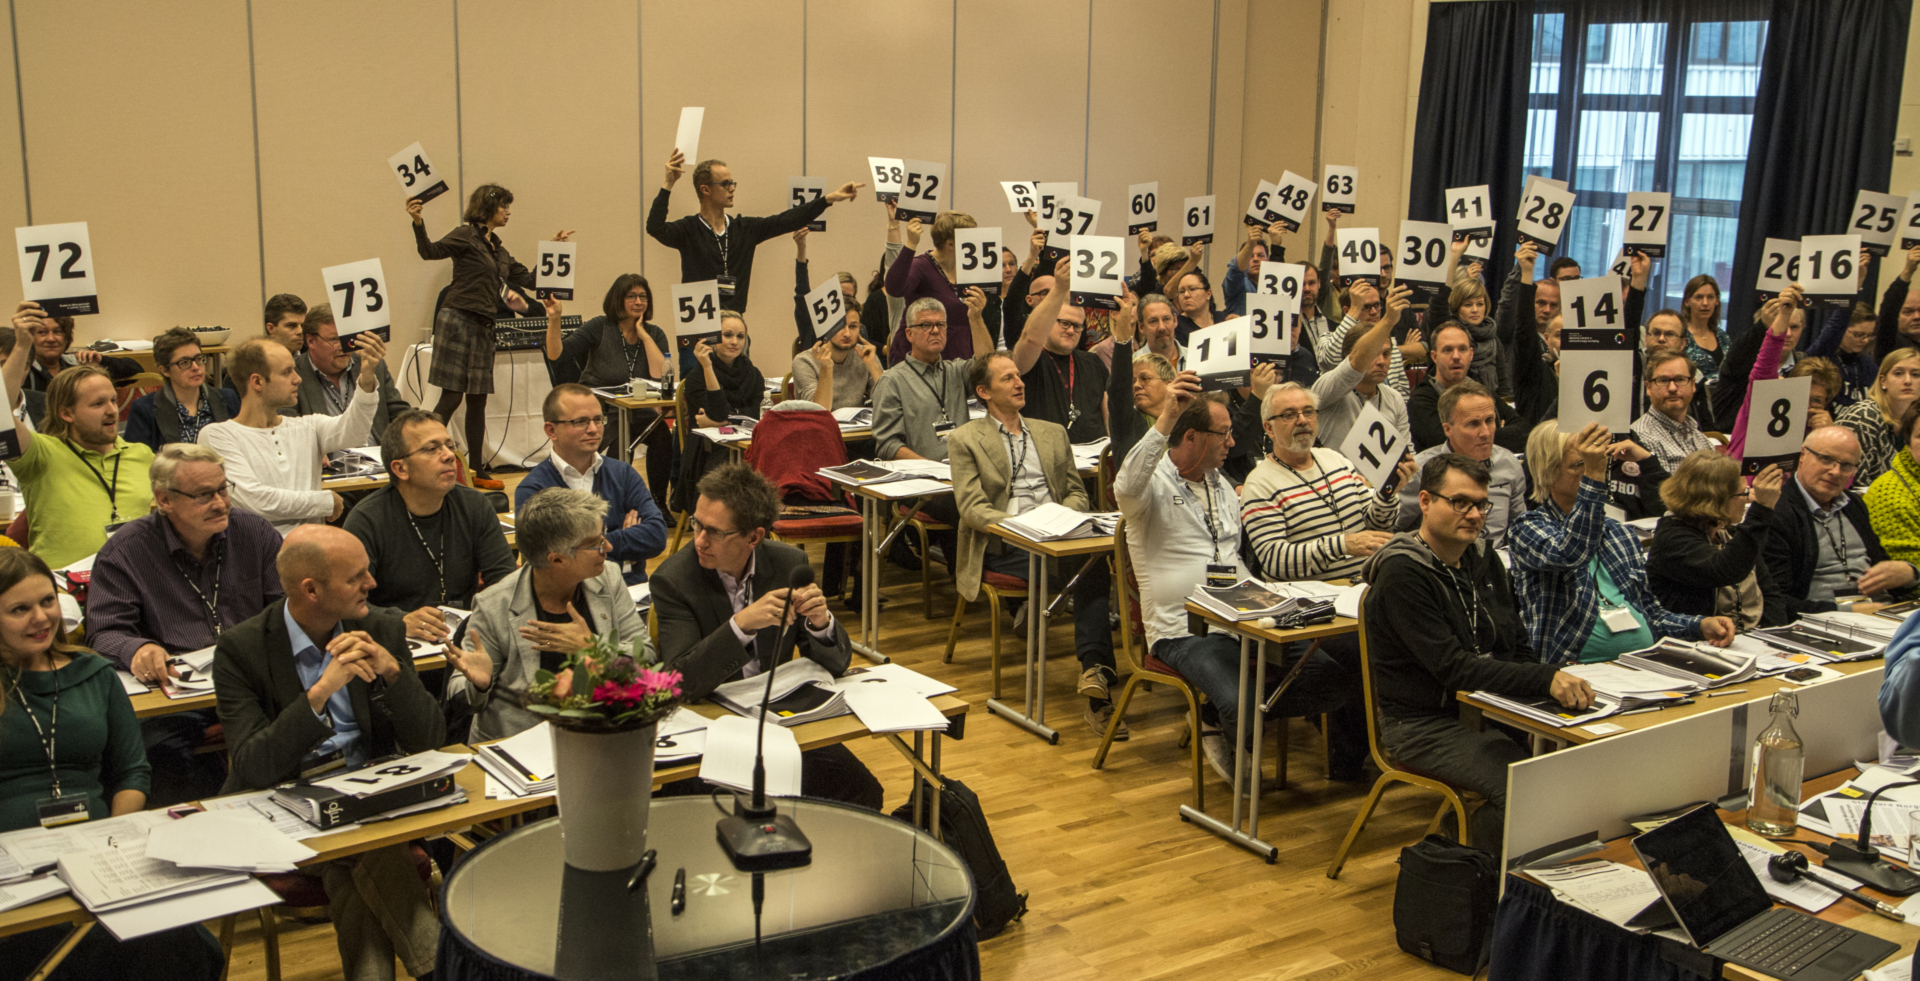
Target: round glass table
[880,899]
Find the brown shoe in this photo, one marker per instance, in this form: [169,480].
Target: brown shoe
[1097,719]
[1093,683]
[486,482]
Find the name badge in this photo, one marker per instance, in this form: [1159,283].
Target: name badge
[58,810]
[942,429]
[116,526]
[1221,576]
[1620,619]
[727,284]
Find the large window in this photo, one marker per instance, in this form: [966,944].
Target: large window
[1647,103]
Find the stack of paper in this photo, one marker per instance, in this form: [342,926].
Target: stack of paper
[1862,625]
[522,762]
[1822,641]
[260,804]
[1251,599]
[1612,891]
[896,672]
[130,684]
[730,754]
[195,670]
[1051,522]
[860,473]
[803,692]
[642,593]
[1621,679]
[890,706]
[1086,456]
[233,841]
[1698,665]
[23,891]
[133,894]
[682,736]
[854,417]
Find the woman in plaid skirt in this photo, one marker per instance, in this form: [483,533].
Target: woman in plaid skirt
[483,274]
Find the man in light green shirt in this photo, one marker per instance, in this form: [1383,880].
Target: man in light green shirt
[78,475]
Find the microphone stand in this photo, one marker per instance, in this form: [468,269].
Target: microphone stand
[1861,860]
[758,838]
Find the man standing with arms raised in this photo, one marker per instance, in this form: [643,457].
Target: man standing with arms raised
[716,245]
[274,461]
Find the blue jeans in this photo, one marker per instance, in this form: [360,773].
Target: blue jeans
[1212,662]
[1092,631]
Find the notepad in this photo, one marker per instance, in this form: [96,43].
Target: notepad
[729,756]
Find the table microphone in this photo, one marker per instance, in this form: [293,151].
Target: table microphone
[1789,866]
[756,836]
[1860,860]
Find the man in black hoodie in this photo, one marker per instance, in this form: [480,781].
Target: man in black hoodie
[1454,627]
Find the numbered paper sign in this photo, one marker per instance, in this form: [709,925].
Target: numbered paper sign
[358,291]
[1290,202]
[56,268]
[1098,268]
[415,172]
[1469,210]
[1196,224]
[888,173]
[1282,279]
[922,188]
[1479,247]
[1544,214]
[1424,249]
[1526,191]
[1776,421]
[1622,264]
[976,258]
[803,190]
[1646,230]
[1779,267]
[1071,216]
[1596,380]
[1143,208]
[553,270]
[1830,265]
[1359,251]
[1373,446]
[1261,206]
[1876,219]
[1022,196]
[1910,222]
[1270,326]
[1221,354]
[686,138]
[1339,193]
[696,313]
[1592,304]
[827,308]
[1051,191]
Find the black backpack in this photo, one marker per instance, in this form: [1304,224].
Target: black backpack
[1443,905]
[964,827]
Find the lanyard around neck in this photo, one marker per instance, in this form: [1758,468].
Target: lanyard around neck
[113,489]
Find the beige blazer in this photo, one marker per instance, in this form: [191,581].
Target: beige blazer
[983,478]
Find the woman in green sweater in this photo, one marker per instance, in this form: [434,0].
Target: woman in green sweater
[1893,501]
[68,731]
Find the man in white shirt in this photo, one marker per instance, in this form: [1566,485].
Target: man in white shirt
[1183,530]
[274,462]
[1357,378]
[1468,418]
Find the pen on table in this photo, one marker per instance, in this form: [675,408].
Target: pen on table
[1730,691]
[679,902]
[640,874]
[1656,708]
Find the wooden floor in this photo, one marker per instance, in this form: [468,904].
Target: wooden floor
[1121,888]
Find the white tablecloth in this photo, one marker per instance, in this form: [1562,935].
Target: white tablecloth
[515,436]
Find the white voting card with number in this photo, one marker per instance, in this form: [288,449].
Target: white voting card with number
[553,269]
[1469,209]
[1373,445]
[414,170]
[1143,208]
[1647,214]
[56,268]
[358,291]
[1339,194]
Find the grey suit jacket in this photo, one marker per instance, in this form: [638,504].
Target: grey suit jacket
[313,399]
[498,613]
[263,707]
[693,610]
[983,483]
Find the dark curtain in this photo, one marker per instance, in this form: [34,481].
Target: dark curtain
[1823,126]
[1473,112]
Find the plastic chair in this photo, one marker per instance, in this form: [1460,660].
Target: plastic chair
[796,420]
[1145,667]
[996,587]
[1391,772]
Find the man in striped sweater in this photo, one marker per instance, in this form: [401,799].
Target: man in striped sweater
[1310,515]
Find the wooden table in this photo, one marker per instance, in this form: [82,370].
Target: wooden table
[1844,911]
[349,485]
[153,702]
[1269,643]
[629,403]
[1033,715]
[1474,712]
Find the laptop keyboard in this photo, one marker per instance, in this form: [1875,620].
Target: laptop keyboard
[1785,944]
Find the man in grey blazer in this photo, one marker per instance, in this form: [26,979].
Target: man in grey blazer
[313,679]
[1003,465]
[719,601]
[328,374]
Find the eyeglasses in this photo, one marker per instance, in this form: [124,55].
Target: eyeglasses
[1070,325]
[436,448]
[1669,382]
[1464,504]
[635,295]
[1211,432]
[584,422]
[1833,461]
[1036,296]
[729,185]
[599,544]
[696,529]
[197,361]
[1291,415]
[930,325]
[204,498]
[313,339]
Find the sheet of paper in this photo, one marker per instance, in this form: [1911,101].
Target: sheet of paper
[1806,895]
[913,487]
[900,673]
[109,878]
[686,139]
[886,706]
[227,839]
[130,684]
[260,802]
[27,891]
[35,847]
[1612,891]
[728,760]
[193,907]
[1900,970]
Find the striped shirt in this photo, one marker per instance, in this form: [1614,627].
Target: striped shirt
[1297,520]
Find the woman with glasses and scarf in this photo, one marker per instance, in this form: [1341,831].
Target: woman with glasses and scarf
[176,412]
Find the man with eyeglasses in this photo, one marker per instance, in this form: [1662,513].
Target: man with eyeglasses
[1358,369]
[1823,550]
[1183,532]
[431,541]
[634,525]
[1365,306]
[1666,333]
[171,582]
[177,411]
[1441,619]
[1669,429]
[273,460]
[328,374]
[715,245]
[1581,575]
[1065,385]
[720,602]
[1468,409]
[1452,365]
[920,401]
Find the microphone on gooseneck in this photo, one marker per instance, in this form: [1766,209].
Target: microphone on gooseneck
[756,836]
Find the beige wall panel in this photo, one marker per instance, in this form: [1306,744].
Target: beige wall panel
[1239,60]
[327,127]
[154,149]
[560,128]
[1282,51]
[1364,120]
[13,194]
[741,60]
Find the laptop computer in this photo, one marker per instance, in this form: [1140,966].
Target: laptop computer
[1725,911]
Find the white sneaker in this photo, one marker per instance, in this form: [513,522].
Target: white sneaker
[1214,747]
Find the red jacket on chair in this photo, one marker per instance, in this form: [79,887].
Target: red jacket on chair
[790,446]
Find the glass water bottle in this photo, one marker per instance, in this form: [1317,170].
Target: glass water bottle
[1778,756]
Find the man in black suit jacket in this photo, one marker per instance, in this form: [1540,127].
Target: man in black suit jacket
[1801,550]
[329,395]
[311,679]
[719,602]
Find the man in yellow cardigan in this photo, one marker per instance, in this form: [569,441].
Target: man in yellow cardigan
[1004,465]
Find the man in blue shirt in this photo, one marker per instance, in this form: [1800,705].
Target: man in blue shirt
[574,423]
